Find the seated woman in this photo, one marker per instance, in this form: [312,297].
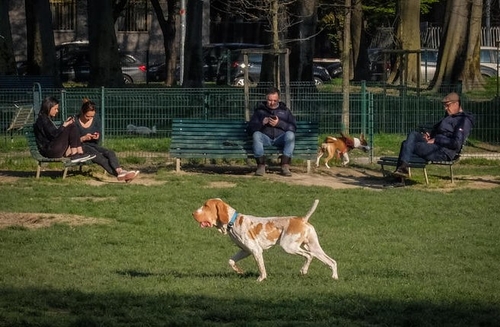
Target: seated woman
[89,127]
[54,141]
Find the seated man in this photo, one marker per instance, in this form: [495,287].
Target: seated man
[272,123]
[443,142]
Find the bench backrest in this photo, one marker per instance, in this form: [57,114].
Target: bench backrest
[196,138]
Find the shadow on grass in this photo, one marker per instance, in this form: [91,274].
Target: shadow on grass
[46,307]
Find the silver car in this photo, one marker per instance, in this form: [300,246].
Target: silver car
[74,64]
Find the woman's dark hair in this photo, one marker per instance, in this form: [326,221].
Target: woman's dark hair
[87,106]
[47,103]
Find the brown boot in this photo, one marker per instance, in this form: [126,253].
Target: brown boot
[261,166]
[285,166]
[402,171]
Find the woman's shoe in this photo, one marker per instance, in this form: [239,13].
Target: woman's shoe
[131,175]
[121,175]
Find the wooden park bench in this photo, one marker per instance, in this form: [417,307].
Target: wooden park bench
[228,139]
[35,153]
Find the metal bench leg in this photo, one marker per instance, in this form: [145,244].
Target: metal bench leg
[38,169]
[451,173]
[308,166]
[177,165]
[65,172]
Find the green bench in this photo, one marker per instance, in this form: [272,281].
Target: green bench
[417,162]
[66,162]
[228,139]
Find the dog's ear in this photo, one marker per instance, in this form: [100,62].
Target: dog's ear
[222,213]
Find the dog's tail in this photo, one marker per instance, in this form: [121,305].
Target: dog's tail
[311,211]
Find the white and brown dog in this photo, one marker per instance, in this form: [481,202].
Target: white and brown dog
[340,146]
[255,234]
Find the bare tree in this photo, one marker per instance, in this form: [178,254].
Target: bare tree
[459,51]
[105,65]
[168,27]
[7,62]
[289,21]
[408,37]
[302,31]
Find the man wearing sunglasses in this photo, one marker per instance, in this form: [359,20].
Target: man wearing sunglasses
[442,142]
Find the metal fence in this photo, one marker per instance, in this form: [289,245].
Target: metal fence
[148,112]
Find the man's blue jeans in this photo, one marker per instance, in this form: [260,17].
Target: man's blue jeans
[415,144]
[284,141]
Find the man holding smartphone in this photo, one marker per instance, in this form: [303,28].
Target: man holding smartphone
[272,124]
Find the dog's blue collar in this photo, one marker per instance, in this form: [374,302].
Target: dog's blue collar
[233,219]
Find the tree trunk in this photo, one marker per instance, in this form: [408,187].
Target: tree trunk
[459,51]
[193,61]
[105,65]
[169,30]
[301,57]
[359,59]
[346,50]
[408,27]
[40,38]
[7,61]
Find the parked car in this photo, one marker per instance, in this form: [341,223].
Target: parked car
[489,59]
[74,64]
[335,69]
[488,62]
[213,55]
[428,62]
[237,70]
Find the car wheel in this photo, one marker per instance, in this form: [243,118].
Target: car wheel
[318,81]
[127,79]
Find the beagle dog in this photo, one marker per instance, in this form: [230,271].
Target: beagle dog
[341,146]
[254,234]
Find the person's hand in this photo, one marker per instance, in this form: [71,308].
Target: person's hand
[86,137]
[427,138]
[273,121]
[265,121]
[95,136]
[70,120]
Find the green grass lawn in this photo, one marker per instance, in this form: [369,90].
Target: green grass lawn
[406,256]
